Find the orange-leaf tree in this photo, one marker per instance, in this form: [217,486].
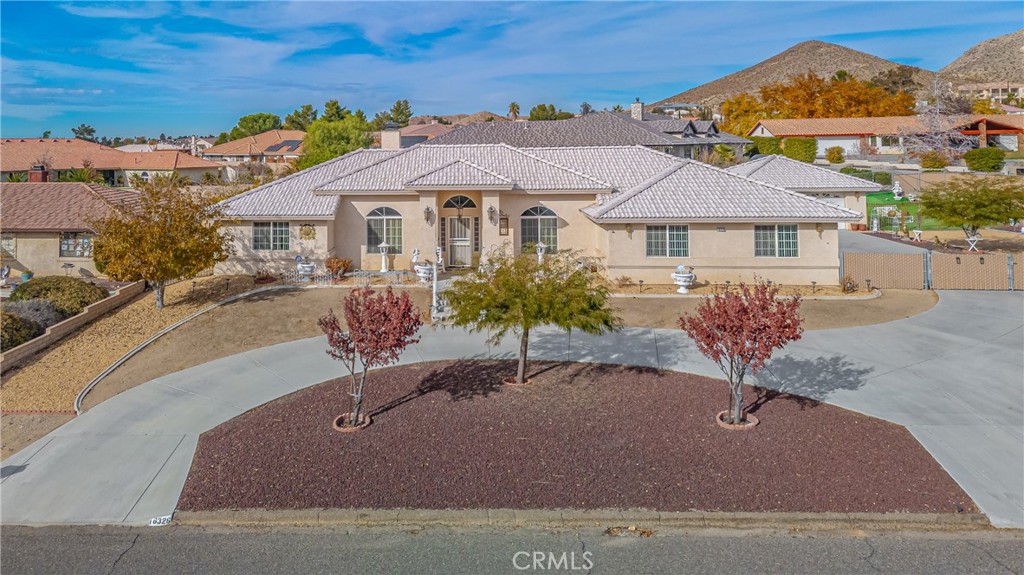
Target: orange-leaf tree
[740,329]
[171,233]
[380,327]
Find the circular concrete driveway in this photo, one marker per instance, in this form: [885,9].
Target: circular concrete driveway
[951,375]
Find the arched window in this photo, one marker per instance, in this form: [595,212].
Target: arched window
[540,224]
[144,176]
[459,202]
[384,224]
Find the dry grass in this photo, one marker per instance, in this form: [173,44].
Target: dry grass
[710,288]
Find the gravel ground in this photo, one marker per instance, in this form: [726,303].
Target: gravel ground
[54,378]
[19,430]
[446,435]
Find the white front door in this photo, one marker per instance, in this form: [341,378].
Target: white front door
[460,242]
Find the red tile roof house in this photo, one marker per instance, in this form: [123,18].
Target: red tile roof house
[46,225]
[45,159]
[885,135]
[270,147]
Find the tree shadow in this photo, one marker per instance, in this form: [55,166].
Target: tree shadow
[462,380]
[9,470]
[807,381]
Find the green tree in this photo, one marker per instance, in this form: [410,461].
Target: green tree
[326,140]
[84,174]
[255,124]
[224,137]
[379,119]
[17,177]
[170,234]
[896,80]
[516,293]
[46,133]
[84,132]
[401,112]
[548,112]
[985,159]
[334,112]
[618,108]
[513,110]
[301,118]
[972,202]
[585,109]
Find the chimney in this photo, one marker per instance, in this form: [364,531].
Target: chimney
[390,137]
[982,134]
[636,109]
[38,174]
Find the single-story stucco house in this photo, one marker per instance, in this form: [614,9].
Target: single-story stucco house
[822,183]
[642,212]
[46,225]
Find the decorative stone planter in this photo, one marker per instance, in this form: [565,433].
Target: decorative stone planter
[340,423]
[750,424]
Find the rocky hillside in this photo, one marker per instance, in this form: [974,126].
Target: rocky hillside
[460,119]
[822,58]
[997,60]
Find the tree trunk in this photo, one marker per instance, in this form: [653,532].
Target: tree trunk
[524,344]
[158,289]
[357,400]
[737,402]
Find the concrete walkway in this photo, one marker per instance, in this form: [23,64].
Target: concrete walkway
[858,242]
[952,375]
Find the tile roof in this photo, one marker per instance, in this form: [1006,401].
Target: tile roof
[20,154]
[461,174]
[258,145]
[164,160]
[692,191]
[623,166]
[58,206]
[292,196]
[528,172]
[881,126]
[800,176]
[429,130]
[594,129]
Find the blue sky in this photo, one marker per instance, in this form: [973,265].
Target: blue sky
[195,67]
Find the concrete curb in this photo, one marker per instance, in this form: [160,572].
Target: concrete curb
[875,293]
[597,517]
[85,391]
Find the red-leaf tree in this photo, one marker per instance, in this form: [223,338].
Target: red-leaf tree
[740,329]
[380,327]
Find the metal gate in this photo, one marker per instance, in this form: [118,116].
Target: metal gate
[935,270]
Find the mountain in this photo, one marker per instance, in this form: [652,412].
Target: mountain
[1000,59]
[822,58]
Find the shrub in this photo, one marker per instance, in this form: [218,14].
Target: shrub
[803,149]
[848,284]
[624,282]
[15,331]
[933,160]
[263,276]
[985,159]
[765,145]
[69,295]
[38,311]
[884,178]
[338,266]
[849,170]
[835,155]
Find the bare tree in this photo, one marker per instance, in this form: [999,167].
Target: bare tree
[940,133]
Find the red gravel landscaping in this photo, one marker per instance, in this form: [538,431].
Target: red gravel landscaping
[447,436]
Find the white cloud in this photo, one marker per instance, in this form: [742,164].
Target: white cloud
[130,11]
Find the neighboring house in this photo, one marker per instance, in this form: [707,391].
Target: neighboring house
[818,182]
[885,135]
[159,146]
[681,138]
[641,211]
[45,226]
[45,160]
[270,147]
[991,90]
[1012,110]
[395,138]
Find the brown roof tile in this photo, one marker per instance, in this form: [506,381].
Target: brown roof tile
[20,154]
[58,206]
[258,144]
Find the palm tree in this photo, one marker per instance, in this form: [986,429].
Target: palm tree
[618,108]
[86,174]
[17,177]
[513,110]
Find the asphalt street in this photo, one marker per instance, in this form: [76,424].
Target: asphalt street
[359,550]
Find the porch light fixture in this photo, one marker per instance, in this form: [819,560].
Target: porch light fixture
[629,231]
[868,283]
[819,228]
[383,256]
[427,212]
[490,213]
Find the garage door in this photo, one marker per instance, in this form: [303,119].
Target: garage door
[835,202]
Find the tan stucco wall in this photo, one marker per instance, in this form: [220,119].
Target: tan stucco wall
[729,255]
[40,252]
[194,174]
[247,260]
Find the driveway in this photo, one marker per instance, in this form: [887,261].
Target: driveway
[858,242]
[951,375]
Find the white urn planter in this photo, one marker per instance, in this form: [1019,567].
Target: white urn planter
[683,278]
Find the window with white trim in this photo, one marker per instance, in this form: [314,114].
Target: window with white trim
[384,225]
[668,241]
[539,224]
[779,241]
[272,236]
[75,245]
